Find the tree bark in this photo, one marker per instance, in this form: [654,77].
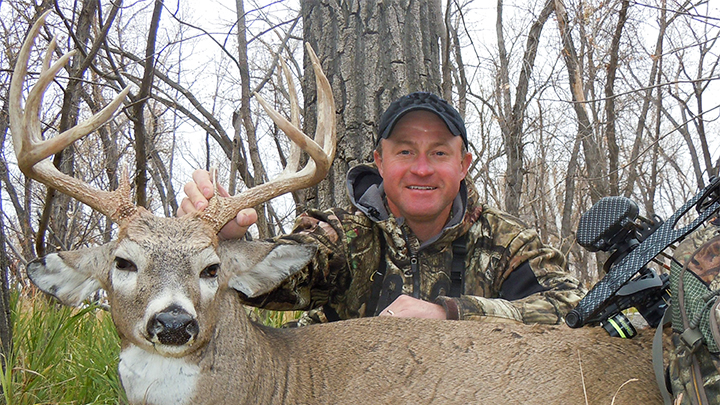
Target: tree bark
[372,53]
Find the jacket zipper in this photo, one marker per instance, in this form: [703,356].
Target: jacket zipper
[414,267]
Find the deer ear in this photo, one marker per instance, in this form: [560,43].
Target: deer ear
[269,265]
[68,276]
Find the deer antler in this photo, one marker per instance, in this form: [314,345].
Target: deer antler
[321,150]
[32,151]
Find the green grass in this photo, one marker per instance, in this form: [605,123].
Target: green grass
[61,355]
[64,355]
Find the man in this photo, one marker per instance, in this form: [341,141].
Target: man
[417,242]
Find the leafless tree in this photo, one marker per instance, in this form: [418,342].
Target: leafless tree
[565,102]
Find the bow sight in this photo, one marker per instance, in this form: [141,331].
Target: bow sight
[613,225]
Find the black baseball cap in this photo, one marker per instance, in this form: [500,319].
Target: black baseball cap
[421,101]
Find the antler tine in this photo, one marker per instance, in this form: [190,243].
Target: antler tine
[32,151]
[321,151]
[293,160]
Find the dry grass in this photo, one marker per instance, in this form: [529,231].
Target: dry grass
[582,378]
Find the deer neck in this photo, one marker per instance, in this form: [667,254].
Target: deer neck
[239,353]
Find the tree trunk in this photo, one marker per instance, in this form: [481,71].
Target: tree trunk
[5,321]
[138,116]
[594,157]
[21,212]
[610,115]
[513,113]
[56,208]
[23,219]
[372,53]
[640,128]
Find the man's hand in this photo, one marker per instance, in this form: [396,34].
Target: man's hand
[406,306]
[199,191]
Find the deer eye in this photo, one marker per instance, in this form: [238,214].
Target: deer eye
[210,271]
[125,265]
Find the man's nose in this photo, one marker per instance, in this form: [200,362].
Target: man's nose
[422,166]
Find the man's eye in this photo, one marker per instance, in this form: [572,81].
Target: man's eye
[210,271]
[125,265]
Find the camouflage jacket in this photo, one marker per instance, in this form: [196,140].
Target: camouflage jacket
[699,253]
[509,273]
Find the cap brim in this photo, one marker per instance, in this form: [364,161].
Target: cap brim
[388,129]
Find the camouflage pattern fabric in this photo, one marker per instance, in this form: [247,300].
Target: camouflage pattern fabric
[700,254]
[690,370]
[342,273]
[684,382]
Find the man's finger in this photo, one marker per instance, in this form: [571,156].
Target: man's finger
[203,183]
[236,228]
[195,198]
[186,207]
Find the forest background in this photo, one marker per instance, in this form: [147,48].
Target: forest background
[566,101]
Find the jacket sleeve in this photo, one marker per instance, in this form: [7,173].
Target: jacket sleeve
[524,280]
[311,286]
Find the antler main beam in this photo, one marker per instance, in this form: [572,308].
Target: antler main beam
[321,150]
[33,151]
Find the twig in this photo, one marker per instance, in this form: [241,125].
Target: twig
[618,390]
[582,378]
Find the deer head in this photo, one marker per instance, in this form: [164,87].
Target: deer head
[162,274]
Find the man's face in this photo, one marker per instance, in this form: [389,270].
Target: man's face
[422,165]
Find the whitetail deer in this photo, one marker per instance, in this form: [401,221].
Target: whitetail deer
[186,339]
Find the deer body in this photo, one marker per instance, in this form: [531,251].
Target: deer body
[227,359]
[411,361]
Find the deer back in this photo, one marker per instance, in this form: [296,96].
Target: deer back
[427,361]
[408,361]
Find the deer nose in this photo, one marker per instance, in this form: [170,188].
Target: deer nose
[172,326]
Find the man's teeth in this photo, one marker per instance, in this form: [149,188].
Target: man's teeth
[421,188]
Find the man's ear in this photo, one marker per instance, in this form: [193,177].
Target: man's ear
[377,157]
[466,162]
[259,267]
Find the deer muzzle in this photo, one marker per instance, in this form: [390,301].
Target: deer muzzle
[173,326]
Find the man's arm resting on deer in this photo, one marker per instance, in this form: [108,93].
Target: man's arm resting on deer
[340,273]
[531,283]
[513,274]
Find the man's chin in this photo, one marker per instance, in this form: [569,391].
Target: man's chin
[422,213]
